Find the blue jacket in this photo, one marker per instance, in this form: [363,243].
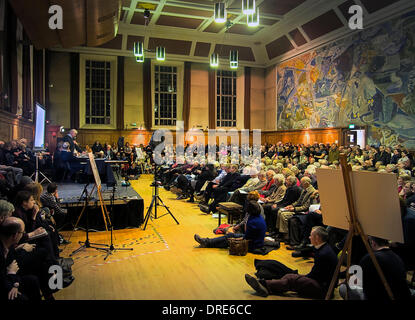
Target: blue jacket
[255,231]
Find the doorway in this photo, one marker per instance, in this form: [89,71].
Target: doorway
[354,137]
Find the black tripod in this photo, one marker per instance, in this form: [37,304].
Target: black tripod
[38,172]
[109,249]
[85,244]
[155,202]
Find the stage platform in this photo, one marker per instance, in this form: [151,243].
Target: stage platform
[127,205]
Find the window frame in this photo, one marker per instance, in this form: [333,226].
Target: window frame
[234,96]
[179,92]
[82,91]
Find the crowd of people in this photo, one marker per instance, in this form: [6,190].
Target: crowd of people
[277,195]
[30,241]
[279,198]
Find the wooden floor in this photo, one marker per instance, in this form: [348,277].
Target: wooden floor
[166,263]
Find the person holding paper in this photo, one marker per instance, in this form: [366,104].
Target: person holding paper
[28,211]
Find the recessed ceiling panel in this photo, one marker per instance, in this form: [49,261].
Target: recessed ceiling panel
[267,22]
[172,46]
[279,47]
[138,18]
[344,8]
[131,40]
[245,53]
[187,11]
[298,37]
[244,29]
[179,22]
[215,27]
[322,25]
[202,49]
[375,5]
[279,7]
[115,43]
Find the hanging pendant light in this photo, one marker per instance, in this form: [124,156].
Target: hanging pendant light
[248,6]
[160,53]
[214,60]
[253,19]
[140,59]
[139,49]
[220,12]
[233,58]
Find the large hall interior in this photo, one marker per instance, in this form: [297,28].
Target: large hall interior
[207,150]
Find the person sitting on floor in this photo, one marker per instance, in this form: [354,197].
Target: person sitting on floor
[241,226]
[313,285]
[254,231]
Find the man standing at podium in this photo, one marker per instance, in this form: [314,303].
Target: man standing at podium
[70,138]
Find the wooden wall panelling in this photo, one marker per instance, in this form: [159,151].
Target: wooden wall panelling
[12,128]
[329,135]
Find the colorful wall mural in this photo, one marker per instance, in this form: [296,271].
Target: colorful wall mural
[365,79]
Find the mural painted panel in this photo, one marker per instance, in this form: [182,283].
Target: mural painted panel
[365,79]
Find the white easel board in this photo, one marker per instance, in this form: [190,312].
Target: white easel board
[376,202]
[94,170]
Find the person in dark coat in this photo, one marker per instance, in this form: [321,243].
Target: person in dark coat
[315,284]
[230,183]
[70,138]
[97,147]
[14,286]
[393,268]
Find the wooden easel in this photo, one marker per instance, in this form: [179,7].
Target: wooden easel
[109,249]
[355,228]
[97,185]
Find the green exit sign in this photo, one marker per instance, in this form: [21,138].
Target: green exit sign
[351,126]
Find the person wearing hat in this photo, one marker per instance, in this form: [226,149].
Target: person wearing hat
[255,231]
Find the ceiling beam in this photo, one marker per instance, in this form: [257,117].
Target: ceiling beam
[130,13]
[152,55]
[157,13]
[181,34]
[341,16]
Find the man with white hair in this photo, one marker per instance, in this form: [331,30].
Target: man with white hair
[70,138]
